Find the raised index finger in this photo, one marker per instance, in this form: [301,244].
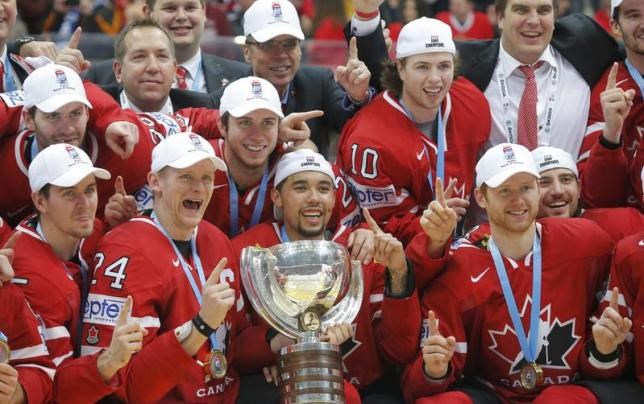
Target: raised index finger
[125,312]
[373,226]
[213,279]
[614,299]
[119,188]
[353,48]
[612,77]
[440,194]
[305,116]
[74,41]
[432,323]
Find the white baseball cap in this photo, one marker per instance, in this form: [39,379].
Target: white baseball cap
[53,86]
[503,161]
[613,5]
[299,161]
[546,158]
[62,165]
[266,19]
[248,94]
[424,35]
[183,150]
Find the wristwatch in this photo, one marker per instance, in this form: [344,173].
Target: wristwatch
[18,42]
[183,331]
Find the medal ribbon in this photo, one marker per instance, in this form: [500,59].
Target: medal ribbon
[637,77]
[233,201]
[283,235]
[505,102]
[529,348]
[186,268]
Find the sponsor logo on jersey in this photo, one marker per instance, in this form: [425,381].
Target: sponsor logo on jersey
[374,197]
[144,198]
[13,98]
[102,309]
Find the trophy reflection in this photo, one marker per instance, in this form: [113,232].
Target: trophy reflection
[299,288]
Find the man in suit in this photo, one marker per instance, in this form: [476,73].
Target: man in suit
[184,20]
[565,59]
[273,34]
[145,67]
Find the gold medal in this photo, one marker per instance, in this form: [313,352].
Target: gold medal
[531,376]
[5,351]
[216,364]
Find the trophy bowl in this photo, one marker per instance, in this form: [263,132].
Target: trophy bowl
[300,288]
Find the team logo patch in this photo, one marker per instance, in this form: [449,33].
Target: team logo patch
[256,88]
[61,78]
[277,11]
[103,309]
[73,155]
[433,38]
[92,336]
[508,154]
[196,142]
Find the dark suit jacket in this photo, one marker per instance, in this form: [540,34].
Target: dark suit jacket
[315,88]
[179,98]
[577,37]
[216,70]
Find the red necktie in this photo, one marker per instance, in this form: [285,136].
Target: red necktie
[527,122]
[182,84]
[1,77]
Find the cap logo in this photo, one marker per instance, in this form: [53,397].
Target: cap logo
[548,161]
[196,143]
[434,42]
[256,88]
[508,155]
[73,155]
[277,11]
[310,161]
[61,79]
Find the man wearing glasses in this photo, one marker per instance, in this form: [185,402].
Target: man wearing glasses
[273,34]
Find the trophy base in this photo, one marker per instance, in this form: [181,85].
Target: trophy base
[311,372]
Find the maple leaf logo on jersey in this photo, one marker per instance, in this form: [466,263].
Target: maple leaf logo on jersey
[92,336]
[349,346]
[555,341]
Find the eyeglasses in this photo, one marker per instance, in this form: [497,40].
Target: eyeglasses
[273,45]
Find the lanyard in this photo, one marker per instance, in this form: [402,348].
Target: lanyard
[529,348]
[83,292]
[637,77]
[9,83]
[186,268]
[440,140]
[283,234]
[233,201]
[505,101]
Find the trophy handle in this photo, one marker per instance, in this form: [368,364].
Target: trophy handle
[348,308]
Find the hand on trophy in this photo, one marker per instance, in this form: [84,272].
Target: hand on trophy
[218,297]
[10,390]
[337,334]
[270,374]
[611,329]
[361,245]
[437,350]
[388,250]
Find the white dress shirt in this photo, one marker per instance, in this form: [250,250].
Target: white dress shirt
[570,107]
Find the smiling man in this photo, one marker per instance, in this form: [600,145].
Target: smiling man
[513,302]
[184,20]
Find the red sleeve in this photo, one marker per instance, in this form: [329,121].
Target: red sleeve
[605,178]
[425,268]
[105,110]
[202,121]
[29,353]
[5,231]
[398,329]
[78,381]
[11,112]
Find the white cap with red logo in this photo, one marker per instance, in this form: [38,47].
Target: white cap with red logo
[266,19]
[503,161]
[53,86]
[62,165]
[424,35]
[248,94]
[183,150]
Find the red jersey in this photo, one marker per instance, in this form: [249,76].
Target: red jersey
[29,355]
[137,259]
[5,231]
[600,169]
[616,222]
[469,305]
[374,344]
[53,289]
[218,212]
[393,172]
[475,26]
[627,273]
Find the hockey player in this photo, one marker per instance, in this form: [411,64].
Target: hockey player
[510,312]
[26,374]
[616,118]
[439,125]
[559,191]
[304,196]
[50,266]
[184,279]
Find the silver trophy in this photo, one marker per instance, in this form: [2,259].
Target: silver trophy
[299,288]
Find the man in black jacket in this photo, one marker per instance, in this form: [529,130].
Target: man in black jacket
[184,20]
